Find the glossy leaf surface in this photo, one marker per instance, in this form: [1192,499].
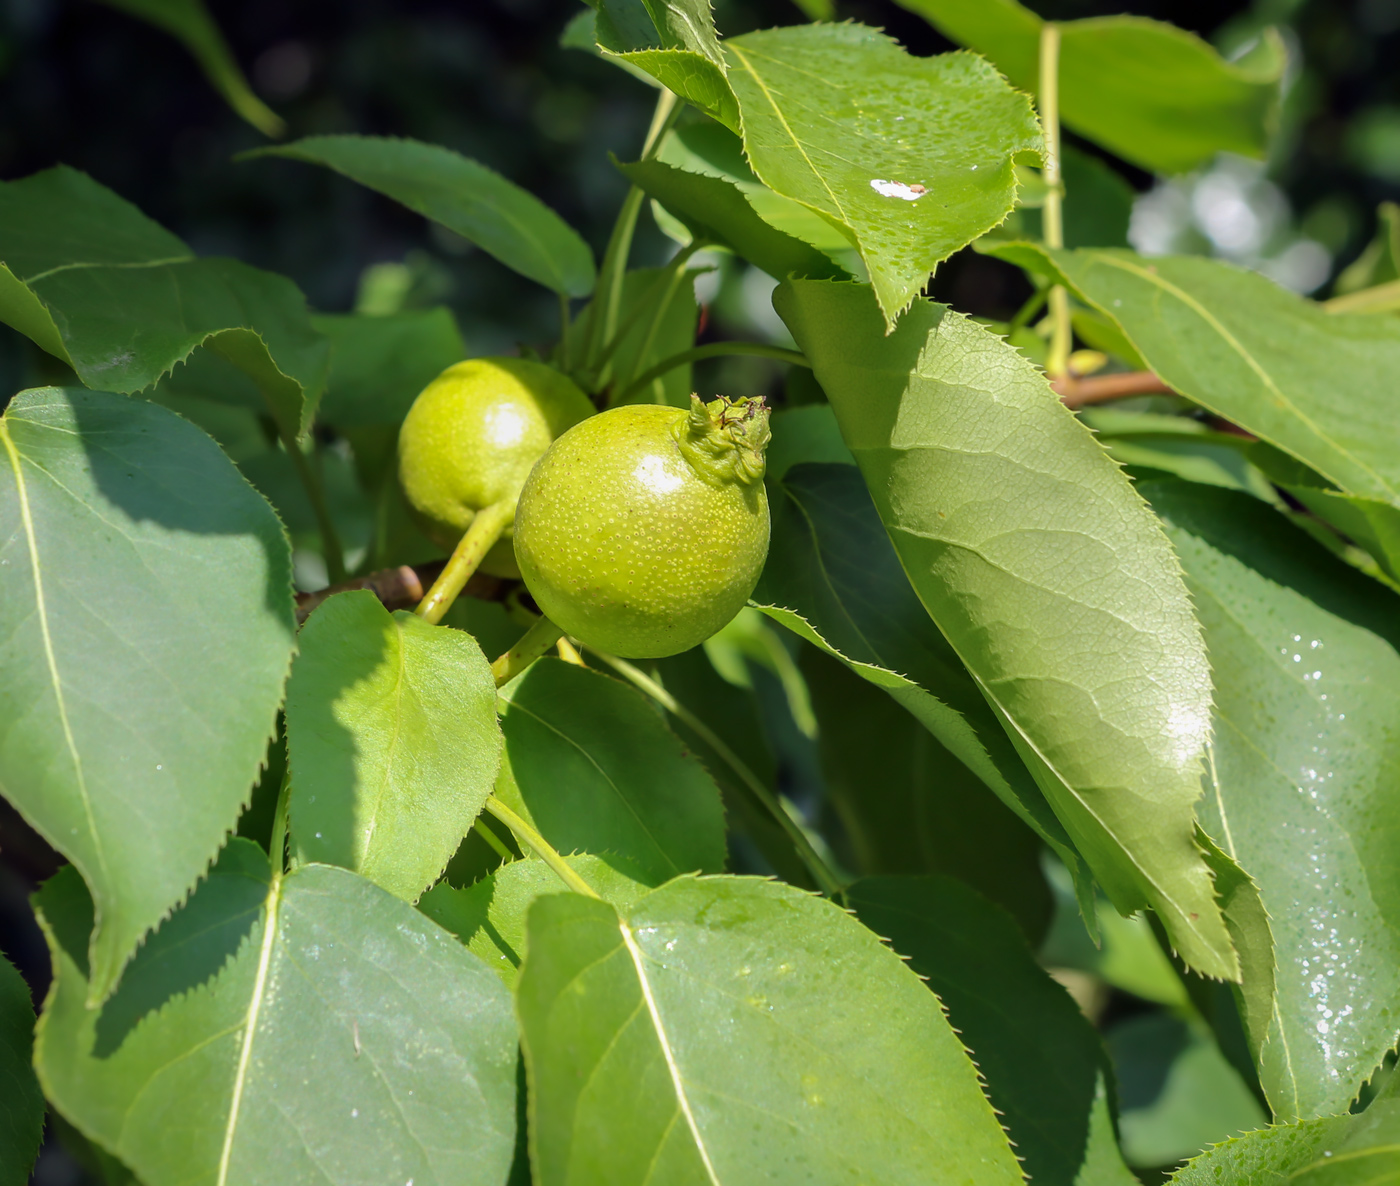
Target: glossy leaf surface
[1304,764]
[189,21]
[1315,384]
[592,765]
[1150,92]
[392,740]
[380,364]
[328,1032]
[146,618]
[1039,1056]
[489,917]
[833,578]
[463,195]
[97,284]
[634,1027]
[841,119]
[1049,577]
[21,1103]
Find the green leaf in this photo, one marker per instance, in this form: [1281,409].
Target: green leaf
[380,364]
[840,118]
[700,176]
[1177,1093]
[591,764]
[146,613]
[675,42]
[1336,1151]
[312,1031]
[21,1103]
[1039,1056]
[1154,94]
[463,195]
[489,917]
[909,806]
[392,742]
[190,23]
[656,330]
[1050,578]
[833,578]
[803,434]
[97,284]
[635,1028]
[1177,445]
[1379,263]
[1304,763]
[1313,383]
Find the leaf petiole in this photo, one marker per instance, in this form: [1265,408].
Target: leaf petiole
[330,539]
[831,885]
[492,840]
[713,350]
[1061,334]
[540,847]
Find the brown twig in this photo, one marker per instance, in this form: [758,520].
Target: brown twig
[403,587]
[1098,389]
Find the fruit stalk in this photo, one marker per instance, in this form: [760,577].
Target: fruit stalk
[533,643]
[486,528]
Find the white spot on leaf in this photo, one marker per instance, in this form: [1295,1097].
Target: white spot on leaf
[897,189]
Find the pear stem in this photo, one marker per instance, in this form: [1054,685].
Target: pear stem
[535,642]
[481,536]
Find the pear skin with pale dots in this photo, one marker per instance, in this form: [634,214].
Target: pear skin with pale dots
[472,437]
[643,530]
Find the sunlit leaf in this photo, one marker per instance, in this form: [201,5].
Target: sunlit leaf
[1156,95]
[590,762]
[315,1032]
[392,740]
[146,618]
[97,284]
[1050,578]
[1304,764]
[732,1030]
[463,195]
[911,156]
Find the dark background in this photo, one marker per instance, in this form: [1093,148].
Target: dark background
[90,87]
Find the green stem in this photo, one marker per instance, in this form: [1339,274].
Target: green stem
[713,350]
[1027,311]
[481,536]
[1052,214]
[831,885]
[565,328]
[535,642]
[531,839]
[675,272]
[330,540]
[492,840]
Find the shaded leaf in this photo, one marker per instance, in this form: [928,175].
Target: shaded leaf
[1178,445]
[1359,1150]
[21,1104]
[463,195]
[1039,1056]
[392,741]
[1176,1092]
[700,176]
[1154,94]
[380,364]
[1315,384]
[146,613]
[633,1028]
[329,1032]
[489,917]
[190,23]
[1050,578]
[1379,262]
[836,115]
[592,765]
[663,317]
[97,284]
[909,806]
[833,578]
[803,434]
[1304,763]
